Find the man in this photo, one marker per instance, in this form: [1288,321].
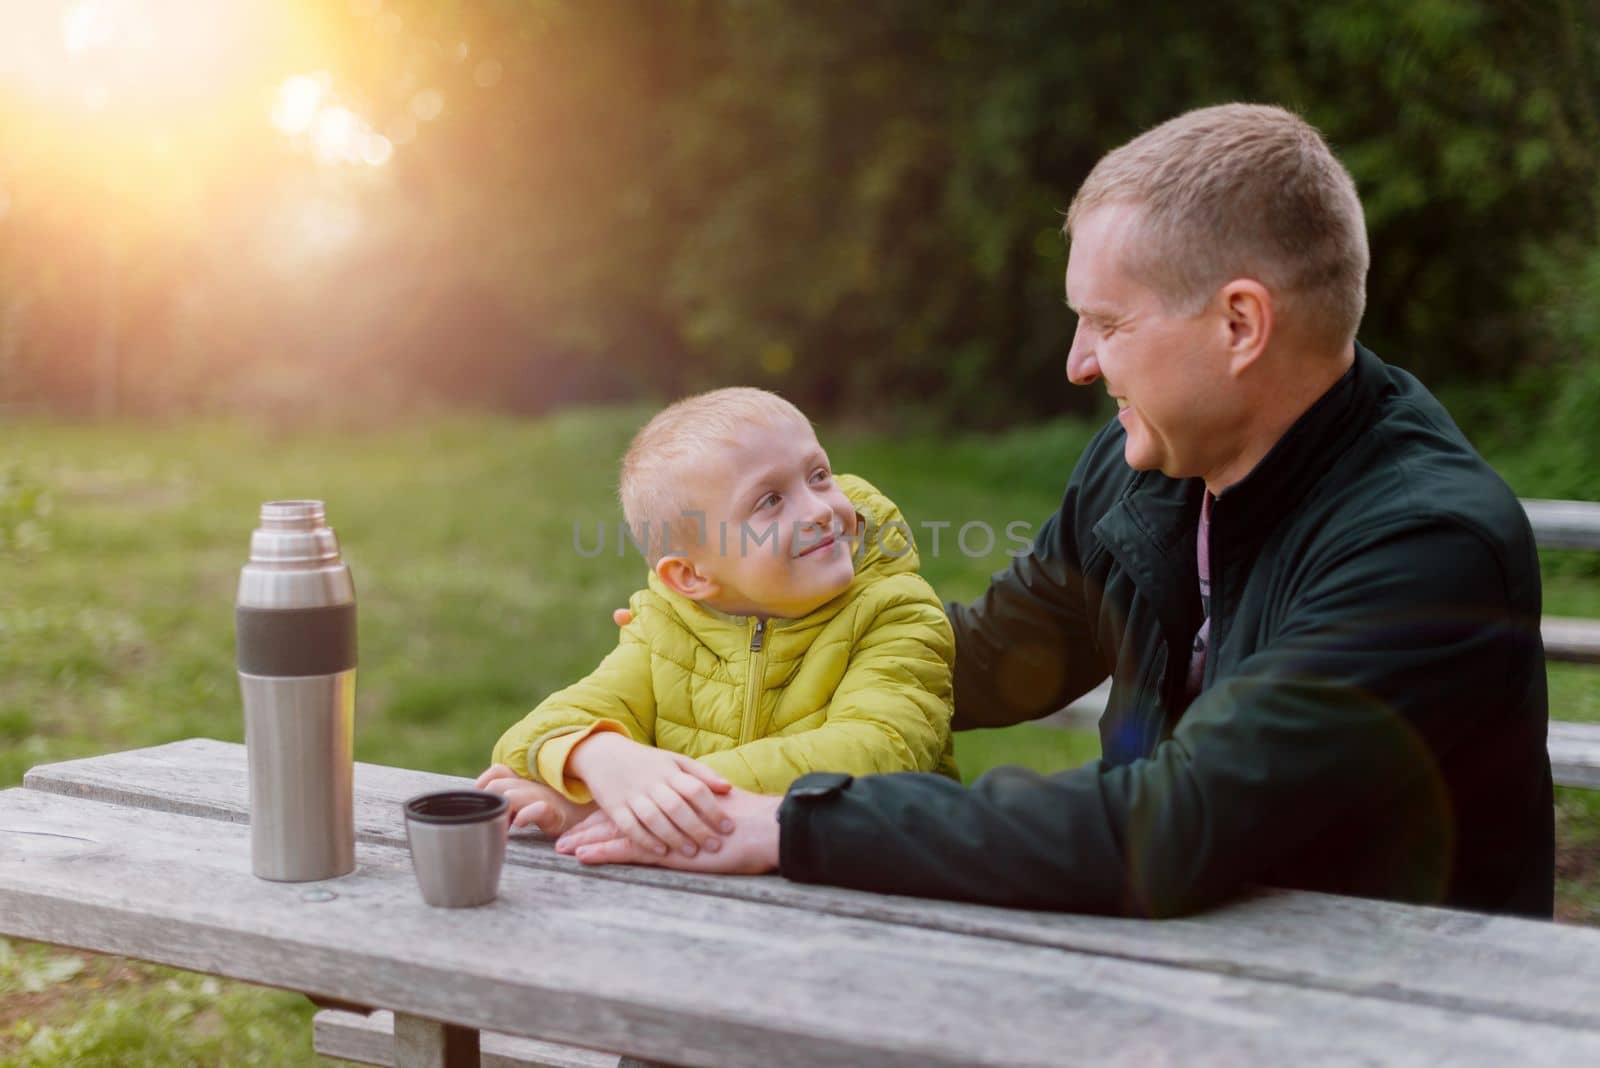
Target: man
[1317,605]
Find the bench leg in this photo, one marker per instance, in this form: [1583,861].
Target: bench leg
[423,1043]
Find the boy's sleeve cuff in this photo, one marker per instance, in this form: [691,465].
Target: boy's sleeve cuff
[551,760]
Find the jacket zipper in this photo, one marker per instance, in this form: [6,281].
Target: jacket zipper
[752,683]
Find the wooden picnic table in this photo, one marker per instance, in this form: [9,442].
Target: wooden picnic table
[146,854]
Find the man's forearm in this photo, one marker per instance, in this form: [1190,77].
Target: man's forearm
[1014,838]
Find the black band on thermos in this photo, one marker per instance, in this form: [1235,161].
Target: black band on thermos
[279,642]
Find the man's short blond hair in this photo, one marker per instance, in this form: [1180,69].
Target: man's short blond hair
[1241,191]
[656,488]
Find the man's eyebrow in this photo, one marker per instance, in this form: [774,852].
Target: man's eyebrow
[1096,314]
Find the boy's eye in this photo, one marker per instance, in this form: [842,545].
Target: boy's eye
[821,474]
[768,501]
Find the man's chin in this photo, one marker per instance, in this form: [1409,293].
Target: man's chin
[1138,458]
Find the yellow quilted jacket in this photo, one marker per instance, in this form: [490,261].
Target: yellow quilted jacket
[861,685]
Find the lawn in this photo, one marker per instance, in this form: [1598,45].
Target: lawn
[116,631]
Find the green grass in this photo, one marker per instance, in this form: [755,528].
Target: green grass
[116,631]
[100,1012]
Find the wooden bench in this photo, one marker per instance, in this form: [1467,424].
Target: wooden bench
[1574,747]
[368,1038]
[146,854]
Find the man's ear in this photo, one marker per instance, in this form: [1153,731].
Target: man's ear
[1248,319]
[680,576]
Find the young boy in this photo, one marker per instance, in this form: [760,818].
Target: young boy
[784,630]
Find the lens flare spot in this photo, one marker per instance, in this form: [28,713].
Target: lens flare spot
[377,150]
[299,100]
[428,105]
[337,136]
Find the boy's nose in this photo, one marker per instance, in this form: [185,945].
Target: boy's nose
[821,513]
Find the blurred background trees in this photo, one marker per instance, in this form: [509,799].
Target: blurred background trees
[357,208]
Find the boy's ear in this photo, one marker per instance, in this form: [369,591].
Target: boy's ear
[681,576]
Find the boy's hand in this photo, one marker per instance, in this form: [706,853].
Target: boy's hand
[750,850]
[661,801]
[533,803]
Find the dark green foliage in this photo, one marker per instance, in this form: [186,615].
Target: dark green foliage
[862,201]
[889,177]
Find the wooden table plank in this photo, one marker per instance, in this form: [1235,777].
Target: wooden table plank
[683,978]
[1426,956]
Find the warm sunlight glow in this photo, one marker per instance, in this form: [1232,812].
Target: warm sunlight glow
[298,102]
[87,26]
[132,54]
[305,110]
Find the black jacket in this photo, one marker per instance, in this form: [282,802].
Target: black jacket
[1372,719]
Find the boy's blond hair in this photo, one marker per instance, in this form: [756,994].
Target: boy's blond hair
[1240,191]
[655,489]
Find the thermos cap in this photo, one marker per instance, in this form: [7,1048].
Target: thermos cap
[294,532]
[293,515]
[294,560]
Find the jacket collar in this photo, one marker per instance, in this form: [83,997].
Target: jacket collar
[1247,512]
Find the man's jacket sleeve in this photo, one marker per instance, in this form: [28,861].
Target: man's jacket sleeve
[618,691]
[890,712]
[1404,641]
[1025,648]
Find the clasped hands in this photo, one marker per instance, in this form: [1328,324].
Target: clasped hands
[651,807]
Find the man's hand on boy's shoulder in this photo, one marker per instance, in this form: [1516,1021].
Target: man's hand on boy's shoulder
[662,801]
[532,803]
[750,849]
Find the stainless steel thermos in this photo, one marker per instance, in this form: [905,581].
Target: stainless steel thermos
[296,619]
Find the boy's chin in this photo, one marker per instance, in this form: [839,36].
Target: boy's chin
[810,604]
[830,591]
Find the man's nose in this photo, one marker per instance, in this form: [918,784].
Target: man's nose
[1082,365]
